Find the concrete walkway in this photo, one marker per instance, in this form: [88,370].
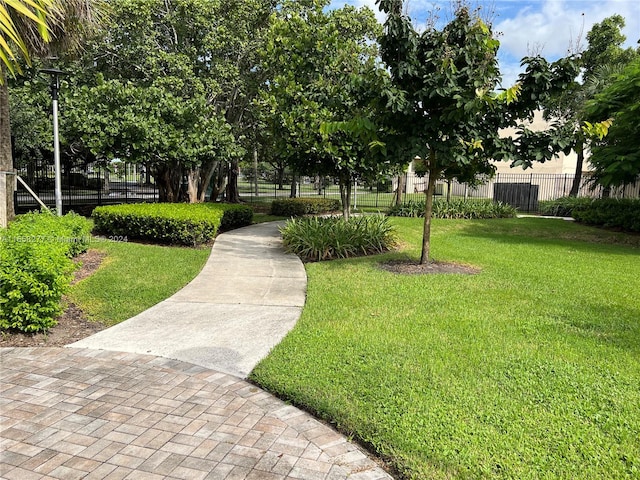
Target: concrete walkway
[244,301]
[162,394]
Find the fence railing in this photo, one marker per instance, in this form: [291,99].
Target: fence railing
[523,191]
[128,183]
[87,186]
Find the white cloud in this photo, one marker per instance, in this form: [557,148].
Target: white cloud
[555,26]
[549,27]
[359,3]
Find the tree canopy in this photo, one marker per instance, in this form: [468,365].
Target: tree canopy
[185,71]
[565,107]
[616,157]
[445,106]
[319,65]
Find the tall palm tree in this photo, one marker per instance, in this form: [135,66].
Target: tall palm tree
[35,28]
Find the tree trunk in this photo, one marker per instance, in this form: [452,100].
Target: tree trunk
[402,183]
[193,180]
[219,181]
[256,191]
[7,177]
[233,195]
[206,174]
[169,178]
[345,197]
[280,171]
[107,182]
[577,178]
[428,210]
[294,187]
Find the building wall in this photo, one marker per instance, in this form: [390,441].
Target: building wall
[561,164]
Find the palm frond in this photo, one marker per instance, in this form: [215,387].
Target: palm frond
[20,22]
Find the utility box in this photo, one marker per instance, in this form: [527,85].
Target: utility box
[523,196]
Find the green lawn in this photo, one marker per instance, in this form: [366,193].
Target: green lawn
[365,198]
[134,277]
[530,369]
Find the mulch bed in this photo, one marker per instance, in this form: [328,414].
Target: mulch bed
[407,267]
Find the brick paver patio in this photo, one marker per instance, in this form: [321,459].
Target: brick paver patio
[92,414]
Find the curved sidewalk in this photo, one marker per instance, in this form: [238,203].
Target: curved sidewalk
[161,395]
[249,294]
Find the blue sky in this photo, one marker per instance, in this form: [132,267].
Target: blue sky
[547,27]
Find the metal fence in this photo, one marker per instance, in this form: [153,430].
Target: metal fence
[89,186]
[524,191]
[85,187]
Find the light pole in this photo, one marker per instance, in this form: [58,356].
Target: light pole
[55,88]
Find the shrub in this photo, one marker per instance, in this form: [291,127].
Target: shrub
[296,207]
[314,238]
[36,268]
[563,207]
[410,208]
[455,208]
[176,223]
[236,216]
[611,213]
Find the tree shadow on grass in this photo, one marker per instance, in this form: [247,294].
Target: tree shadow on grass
[534,231]
[618,326]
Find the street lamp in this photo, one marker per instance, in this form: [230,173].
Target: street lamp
[55,88]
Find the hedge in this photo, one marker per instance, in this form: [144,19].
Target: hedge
[296,207]
[36,268]
[563,207]
[173,223]
[455,208]
[623,214]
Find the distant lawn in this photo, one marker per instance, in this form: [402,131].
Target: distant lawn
[134,277]
[265,217]
[529,369]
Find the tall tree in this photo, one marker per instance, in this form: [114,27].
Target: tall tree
[318,64]
[616,157]
[194,50]
[605,40]
[603,57]
[443,77]
[447,112]
[173,136]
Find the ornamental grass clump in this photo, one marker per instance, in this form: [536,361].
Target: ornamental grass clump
[316,239]
[455,209]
